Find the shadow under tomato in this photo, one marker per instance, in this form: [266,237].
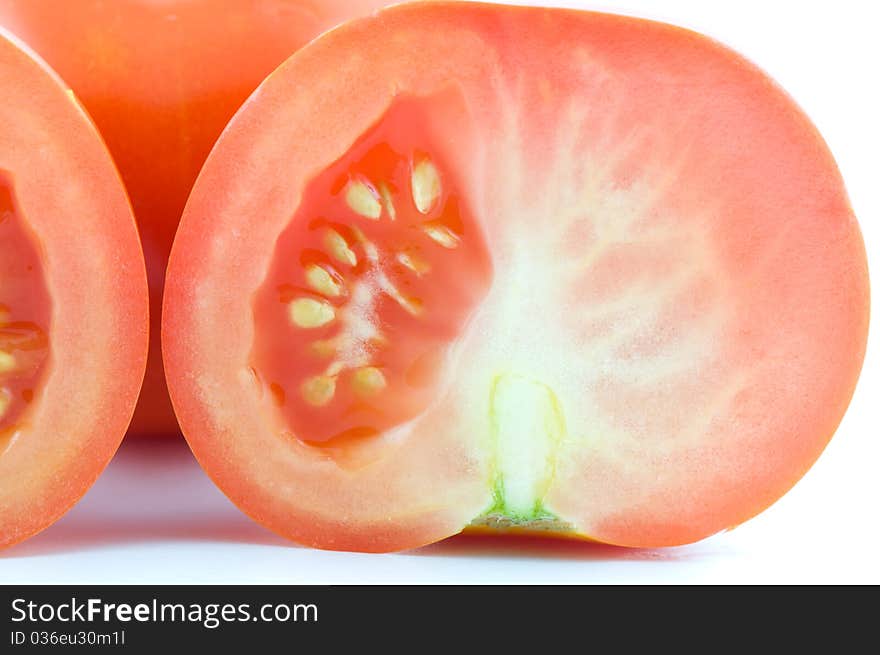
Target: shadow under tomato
[537,547]
[152,491]
[84,535]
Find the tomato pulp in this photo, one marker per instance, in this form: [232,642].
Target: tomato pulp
[375,276]
[73,300]
[161,80]
[24,315]
[513,268]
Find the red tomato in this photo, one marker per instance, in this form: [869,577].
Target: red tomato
[513,268]
[161,78]
[73,300]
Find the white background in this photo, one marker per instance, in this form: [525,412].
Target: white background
[154,517]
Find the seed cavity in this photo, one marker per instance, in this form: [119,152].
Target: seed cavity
[387,200]
[338,247]
[350,352]
[362,200]
[368,381]
[324,347]
[414,263]
[442,235]
[413,306]
[425,183]
[318,390]
[7,361]
[322,281]
[311,313]
[334,369]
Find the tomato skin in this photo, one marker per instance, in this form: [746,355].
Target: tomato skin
[691,421]
[62,175]
[161,79]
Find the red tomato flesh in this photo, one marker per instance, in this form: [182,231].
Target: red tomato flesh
[650,324]
[73,300]
[24,315]
[368,288]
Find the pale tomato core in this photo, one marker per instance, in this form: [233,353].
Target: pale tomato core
[370,284]
[24,314]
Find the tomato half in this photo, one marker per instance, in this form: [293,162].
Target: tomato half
[161,80]
[73,300]
[513,268]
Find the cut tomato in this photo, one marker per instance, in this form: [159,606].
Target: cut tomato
[73,300]
[372,282]
[513,268]
[161,80]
